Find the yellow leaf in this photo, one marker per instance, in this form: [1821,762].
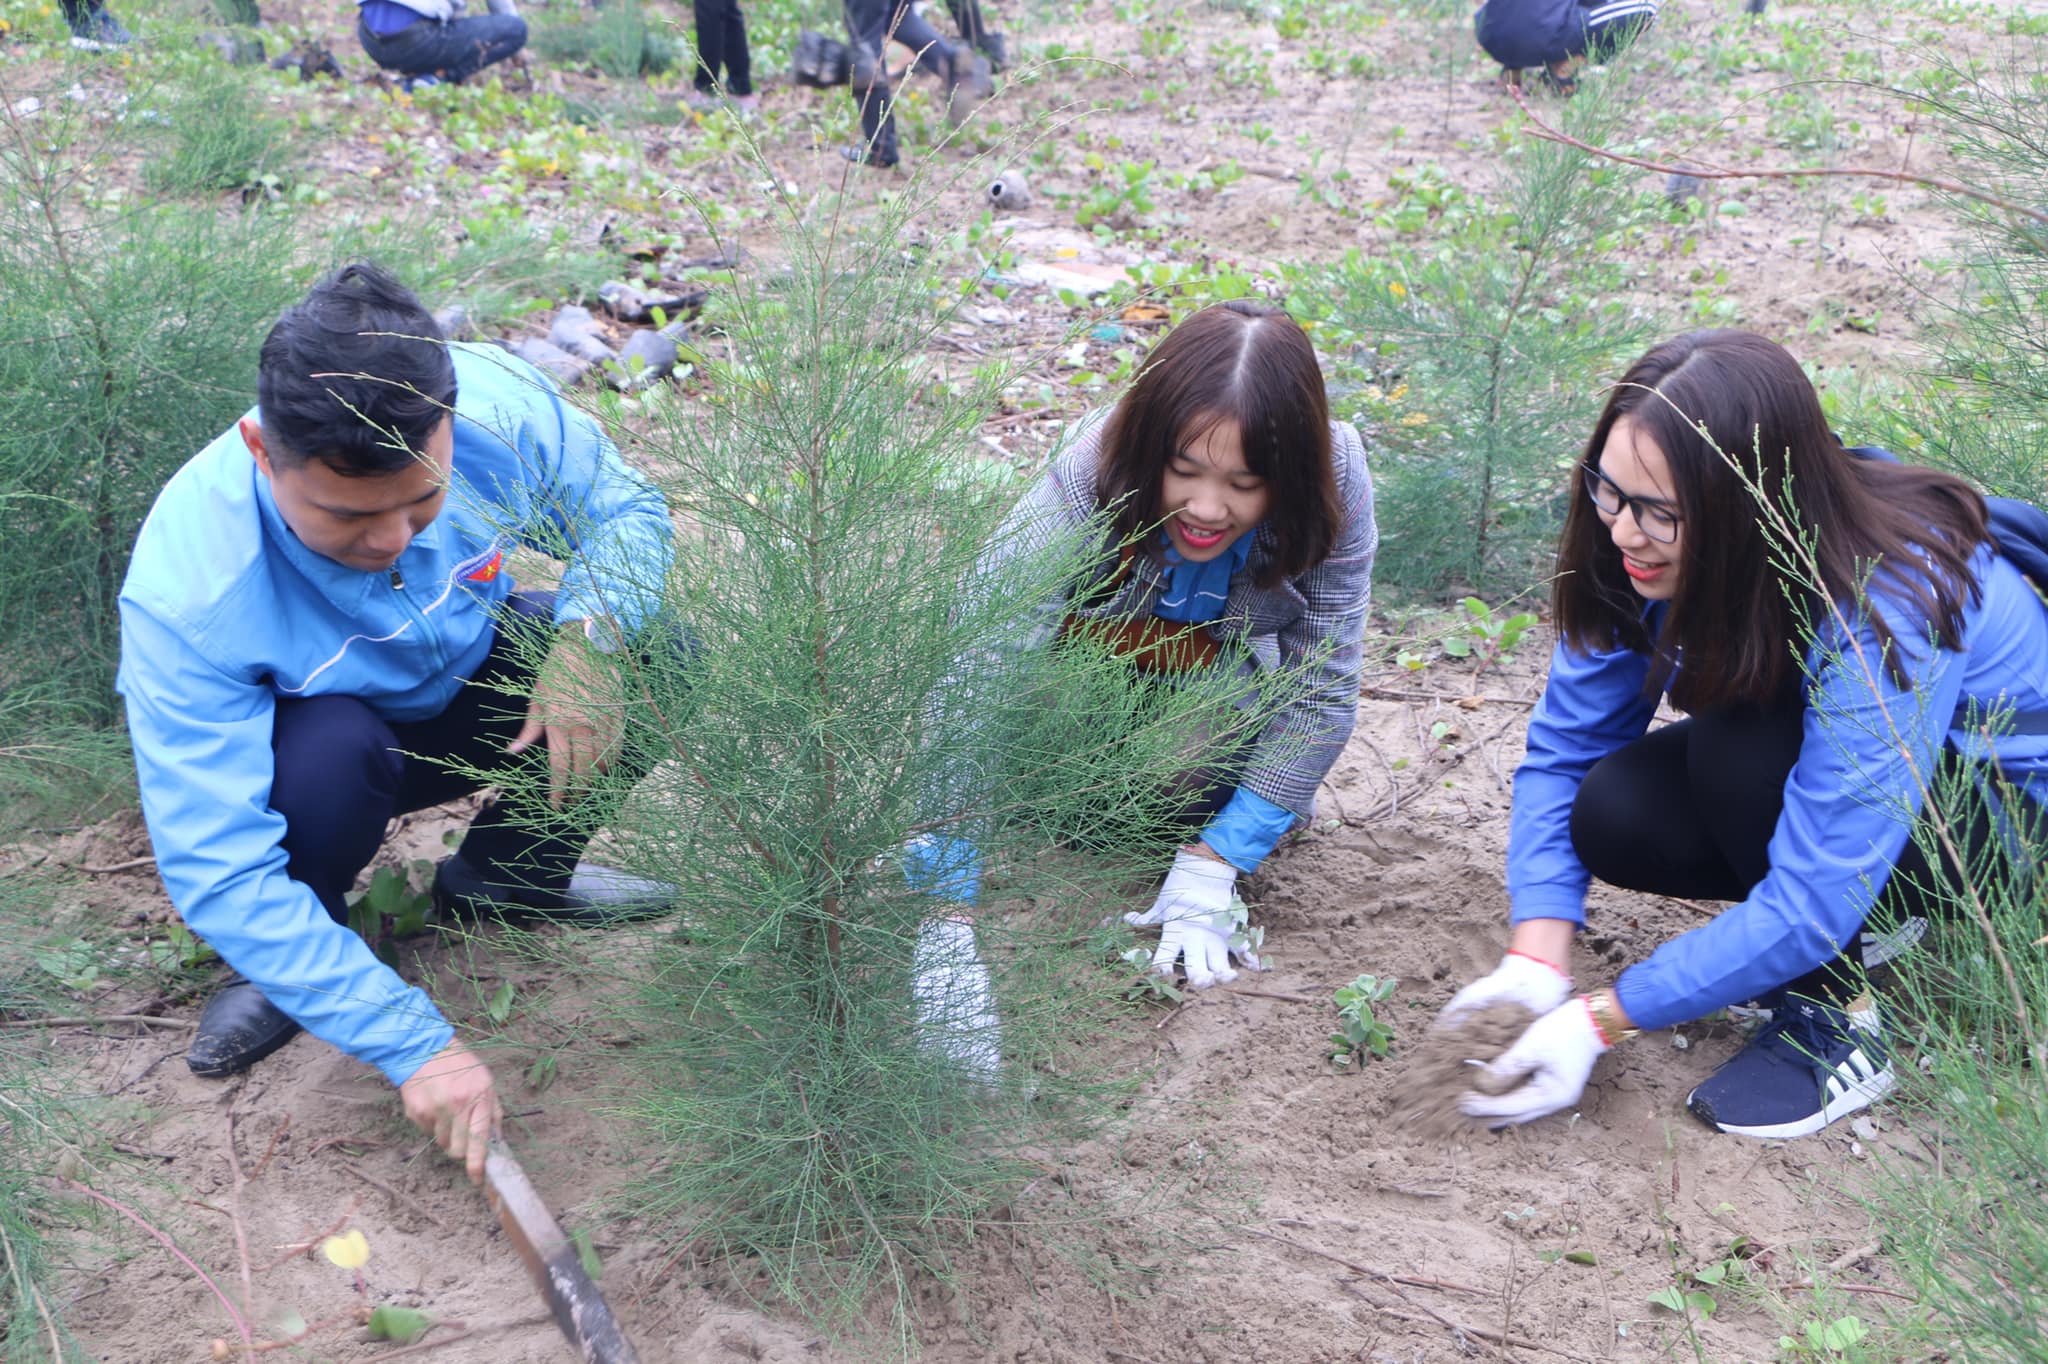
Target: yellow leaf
[350,1250]
[1397,289]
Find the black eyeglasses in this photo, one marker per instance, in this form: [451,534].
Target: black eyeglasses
[1656,518]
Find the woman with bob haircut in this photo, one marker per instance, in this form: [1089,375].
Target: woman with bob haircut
[1816,720]
[1240,533]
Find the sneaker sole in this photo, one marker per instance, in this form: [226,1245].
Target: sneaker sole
[1847,1094]
[1890,945]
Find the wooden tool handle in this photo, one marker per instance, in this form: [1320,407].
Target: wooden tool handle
[581,1312]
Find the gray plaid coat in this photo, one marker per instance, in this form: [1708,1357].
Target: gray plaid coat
[1313,625]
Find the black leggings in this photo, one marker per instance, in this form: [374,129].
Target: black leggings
[722,44]
[1688,811]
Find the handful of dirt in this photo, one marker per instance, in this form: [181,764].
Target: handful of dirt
[1426,1094]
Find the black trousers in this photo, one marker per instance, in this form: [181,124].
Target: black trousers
[870,26]
[722,46]
[342,772]
[1688,811]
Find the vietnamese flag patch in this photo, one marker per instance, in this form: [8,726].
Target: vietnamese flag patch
[486,571]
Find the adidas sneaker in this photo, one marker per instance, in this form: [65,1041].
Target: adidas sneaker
[1812,1064]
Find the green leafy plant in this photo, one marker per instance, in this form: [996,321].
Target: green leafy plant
[74,964]
[39,1130]
[1487,634]
[181,949]
[1828,1339]
[1361,1036]
[391,908]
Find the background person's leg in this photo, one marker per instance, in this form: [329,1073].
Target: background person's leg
[483,41]
[739,65]
[710,17]
[934,52]
[867,36]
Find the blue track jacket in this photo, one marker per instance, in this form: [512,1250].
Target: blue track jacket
[1849,803]
[224,611]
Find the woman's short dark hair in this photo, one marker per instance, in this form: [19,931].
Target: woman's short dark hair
[356,376]
[1248,362]
[1737,421]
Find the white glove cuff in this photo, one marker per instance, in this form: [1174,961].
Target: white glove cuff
[1535,976]
[1194,864]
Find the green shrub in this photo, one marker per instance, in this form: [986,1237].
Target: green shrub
[1476,349]
[128,341]
[36,1131]
[617,39]
[843,694]
[212,131]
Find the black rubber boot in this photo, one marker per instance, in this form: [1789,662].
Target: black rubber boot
[238,1028]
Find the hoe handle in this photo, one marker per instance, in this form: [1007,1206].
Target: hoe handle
[580,1310]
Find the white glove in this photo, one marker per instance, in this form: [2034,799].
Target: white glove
[956,1005]
[1196,922]
[1536,985]
[1556,1054]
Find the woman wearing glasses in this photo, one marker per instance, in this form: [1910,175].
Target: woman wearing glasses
[1813,720]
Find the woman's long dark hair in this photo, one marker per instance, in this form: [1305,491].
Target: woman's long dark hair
[1242,361]
[1738,420]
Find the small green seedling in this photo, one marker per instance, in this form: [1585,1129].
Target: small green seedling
[74,965]
[399,1325]
[1692,1295]
[1149,984]
[1244,935]
[391,908]
[542,1073]
[1486,634]
[181,950]
[1363,1036]
[1824,1339]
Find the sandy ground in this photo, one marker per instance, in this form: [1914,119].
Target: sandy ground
[1331,1231]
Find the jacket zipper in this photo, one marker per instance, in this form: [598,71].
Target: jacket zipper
[398,590]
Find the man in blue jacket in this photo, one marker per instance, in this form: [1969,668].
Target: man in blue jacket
[318,632]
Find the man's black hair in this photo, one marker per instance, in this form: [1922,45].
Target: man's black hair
[356,376]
